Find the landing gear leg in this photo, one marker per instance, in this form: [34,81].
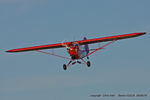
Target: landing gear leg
[88,63]
[66,66]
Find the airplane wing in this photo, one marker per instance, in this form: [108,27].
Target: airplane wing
[81,42]
[110,38]
[50,46]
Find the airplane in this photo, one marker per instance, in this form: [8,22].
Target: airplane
[78,49]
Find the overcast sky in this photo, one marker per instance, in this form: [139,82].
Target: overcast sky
[122,67]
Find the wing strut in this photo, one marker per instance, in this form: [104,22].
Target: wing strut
[53,54]
[101,47]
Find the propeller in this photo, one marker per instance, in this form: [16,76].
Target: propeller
[64,44]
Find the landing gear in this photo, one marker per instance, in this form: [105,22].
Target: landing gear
[73,63]
[64,66]
[88,63]
[76,62]
[79,62]
[87,57]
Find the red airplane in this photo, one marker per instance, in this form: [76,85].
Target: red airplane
[78,49]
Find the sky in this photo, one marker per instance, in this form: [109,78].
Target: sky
[121,68]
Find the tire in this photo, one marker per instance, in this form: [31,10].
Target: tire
[88,63]
[65,67]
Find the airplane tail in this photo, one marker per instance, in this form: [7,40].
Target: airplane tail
[86,47]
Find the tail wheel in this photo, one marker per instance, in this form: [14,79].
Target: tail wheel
[88,63]
[64,66]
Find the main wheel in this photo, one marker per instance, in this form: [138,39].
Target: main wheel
[64,66]
[88,63]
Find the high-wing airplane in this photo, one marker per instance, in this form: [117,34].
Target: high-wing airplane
[78,49]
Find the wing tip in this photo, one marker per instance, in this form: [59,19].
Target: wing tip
[140,33]
[9,51]
[144,33]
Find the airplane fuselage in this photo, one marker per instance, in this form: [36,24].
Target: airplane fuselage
[76,52]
